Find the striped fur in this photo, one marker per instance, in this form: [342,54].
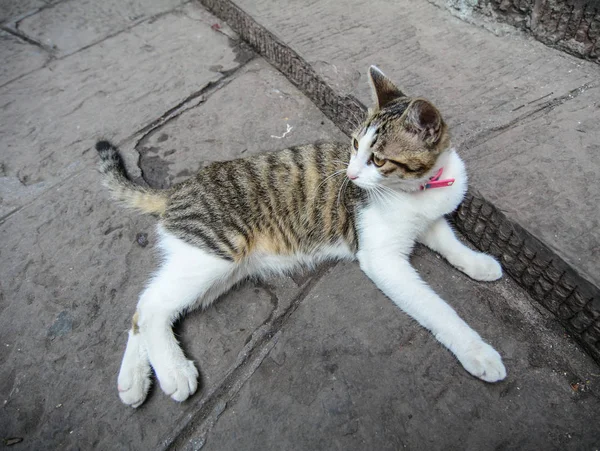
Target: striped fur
[284,202]
[287,202]
[121,188]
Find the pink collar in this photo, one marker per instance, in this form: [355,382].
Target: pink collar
[435,182]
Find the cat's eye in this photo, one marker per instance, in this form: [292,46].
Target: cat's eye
[355,143]
[378,161]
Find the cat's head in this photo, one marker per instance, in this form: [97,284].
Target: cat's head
[399,142]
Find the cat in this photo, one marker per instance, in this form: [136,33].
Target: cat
[370,200]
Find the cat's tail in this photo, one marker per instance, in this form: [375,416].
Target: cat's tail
[146,200]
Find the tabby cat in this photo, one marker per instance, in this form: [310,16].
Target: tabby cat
[273,212]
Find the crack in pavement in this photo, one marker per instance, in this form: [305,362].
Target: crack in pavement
[43,193]
[12,26]
[270,290]
[245,56]
[129,28]
[211,408]
[16,32]
[182,107]
[522,119]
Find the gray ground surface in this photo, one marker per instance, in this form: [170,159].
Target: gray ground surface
[349,372]
[317,361]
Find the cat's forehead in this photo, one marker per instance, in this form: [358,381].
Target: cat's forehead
[388,117]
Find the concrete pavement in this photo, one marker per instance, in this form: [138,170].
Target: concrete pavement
[317,361]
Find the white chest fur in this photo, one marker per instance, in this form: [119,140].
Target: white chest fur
[395,221]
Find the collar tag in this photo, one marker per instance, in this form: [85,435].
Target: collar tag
[435,182]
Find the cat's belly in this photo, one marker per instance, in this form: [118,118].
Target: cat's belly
[266,264]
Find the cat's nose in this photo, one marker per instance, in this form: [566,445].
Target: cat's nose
[351,176]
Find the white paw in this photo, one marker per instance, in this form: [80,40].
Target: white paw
[178,378]
[482,361]
[482,267]
[134,376]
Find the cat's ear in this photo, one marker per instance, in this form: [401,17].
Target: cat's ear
[384,91]
[424,120]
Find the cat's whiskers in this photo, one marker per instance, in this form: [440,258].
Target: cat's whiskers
[338,172]
[345,163]
[389,192]
[381,193]
[343,186]
[383,196]
[373,191]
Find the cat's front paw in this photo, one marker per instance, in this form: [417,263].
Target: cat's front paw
[482,361]
[178,379]
[482,267]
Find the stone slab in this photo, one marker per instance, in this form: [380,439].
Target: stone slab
[543,172]
[19,57]
[484,84]
[351,372]
[71,25]
[51,118]
[73,266]
[15,8]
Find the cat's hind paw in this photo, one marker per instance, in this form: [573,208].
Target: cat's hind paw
[483,361]
[133,388]
[179,380]
[134,376]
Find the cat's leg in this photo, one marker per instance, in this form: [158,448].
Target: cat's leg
[134,375]
[189,276]
[394,275]
[440,238]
